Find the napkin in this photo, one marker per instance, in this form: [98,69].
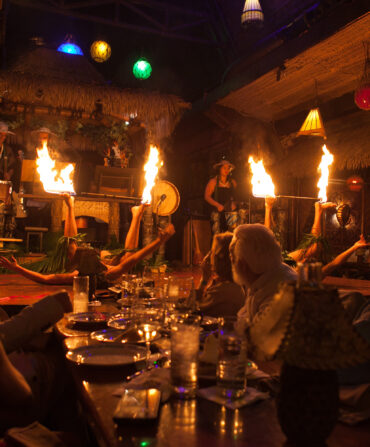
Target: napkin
[33,435]
[251,396]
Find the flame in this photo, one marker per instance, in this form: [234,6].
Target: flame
[53,180]
[261,181]
[151,170]
[326,160]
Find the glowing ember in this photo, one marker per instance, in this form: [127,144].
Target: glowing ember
[151,170]
[53,180]
[326,160]
[261,181]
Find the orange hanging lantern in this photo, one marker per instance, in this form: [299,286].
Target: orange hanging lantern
[355,183]
[100,51]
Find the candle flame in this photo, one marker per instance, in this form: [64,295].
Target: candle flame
[54,180]
[261,181]
[326,160]
[151,169]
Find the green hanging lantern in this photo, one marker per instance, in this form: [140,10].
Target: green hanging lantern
[142,69]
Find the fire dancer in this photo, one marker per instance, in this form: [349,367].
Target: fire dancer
[43,136]
[112,272]
[220,194]
[9,165]
[312,246]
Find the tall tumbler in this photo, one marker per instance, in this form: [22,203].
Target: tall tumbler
[232,359]
[185,330]
[80,293]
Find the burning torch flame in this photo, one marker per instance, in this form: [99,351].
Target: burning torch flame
[53,181]
[326,160]
[151,170]
[261,181]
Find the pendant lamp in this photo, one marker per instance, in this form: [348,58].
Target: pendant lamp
[313,124]
[252,13]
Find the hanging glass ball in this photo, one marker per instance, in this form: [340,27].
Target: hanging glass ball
[142,69]
[100,51]
[362,96]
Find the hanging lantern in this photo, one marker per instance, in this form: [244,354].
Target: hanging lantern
[355,183]
[69,47]
[252,13]
[313,124]
[100,51]
[362,96]
[142,69]
[362,93]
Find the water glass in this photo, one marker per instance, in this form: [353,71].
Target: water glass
[232,359]
[185,330]
[80,294]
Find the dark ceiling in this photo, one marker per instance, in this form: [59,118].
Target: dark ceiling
[191,44]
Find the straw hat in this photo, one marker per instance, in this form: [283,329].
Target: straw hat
[222,163]
[44,130]
[4,128]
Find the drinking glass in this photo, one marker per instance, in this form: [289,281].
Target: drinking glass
[181,293]
[80,294]
[232,359]
[148,314]
[185,329]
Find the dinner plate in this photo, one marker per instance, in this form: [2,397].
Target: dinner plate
[88,317]
[129,335]
[119,321]
[106,355]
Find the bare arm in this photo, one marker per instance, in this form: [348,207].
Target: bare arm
[13,386]
[316,229]
[54,278]
[303,254]
[211,185]
[127,263]
[132,238]
[269,202]
[342,257]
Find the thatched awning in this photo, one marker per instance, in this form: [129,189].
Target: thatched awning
[336,64]
[47,78]
[348,140]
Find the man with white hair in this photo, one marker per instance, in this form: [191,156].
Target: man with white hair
[257,267]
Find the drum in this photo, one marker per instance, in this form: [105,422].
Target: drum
[5,191]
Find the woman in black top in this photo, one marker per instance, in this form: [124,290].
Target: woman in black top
[219,193]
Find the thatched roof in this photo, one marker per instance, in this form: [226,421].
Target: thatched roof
[348,140]
[48,78]
[336,64]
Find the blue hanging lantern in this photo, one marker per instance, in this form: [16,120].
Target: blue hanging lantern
[69,47]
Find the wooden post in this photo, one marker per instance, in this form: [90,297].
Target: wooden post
[57,215]
[113,224]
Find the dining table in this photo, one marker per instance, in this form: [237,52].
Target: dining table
[181,422]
